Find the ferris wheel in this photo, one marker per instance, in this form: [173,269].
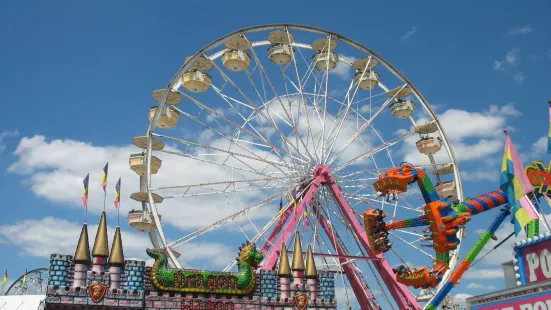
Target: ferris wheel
[31,283]
[276,120]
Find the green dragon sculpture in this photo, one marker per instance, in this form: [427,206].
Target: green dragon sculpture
[200,281]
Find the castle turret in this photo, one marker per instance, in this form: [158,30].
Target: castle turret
[311,274]
[284,272]
[116,260]
[101,247]
[298,262]
[82,258]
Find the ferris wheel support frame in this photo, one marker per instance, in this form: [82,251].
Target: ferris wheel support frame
[361,290]
[401,294]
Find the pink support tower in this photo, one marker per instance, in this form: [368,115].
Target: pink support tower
[399,292]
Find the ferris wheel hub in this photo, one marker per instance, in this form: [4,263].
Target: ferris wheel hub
[321,170]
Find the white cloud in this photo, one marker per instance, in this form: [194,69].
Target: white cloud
[484,273]
[508,65]
[461,299]
[520,30]
[472,141]
[410,33]
[54,170]
[504,253]
[540,146]
[40,238]
[498,65]
[477,286]
[6,134]
[511,59]
[519,77]
[480,175]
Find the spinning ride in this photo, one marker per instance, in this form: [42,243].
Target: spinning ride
[305,120]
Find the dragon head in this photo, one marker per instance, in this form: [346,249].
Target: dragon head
[249,254]
[158,255]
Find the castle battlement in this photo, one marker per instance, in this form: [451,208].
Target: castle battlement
[111,281]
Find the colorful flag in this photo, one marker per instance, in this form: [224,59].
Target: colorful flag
[5,278]
[514,182]
[281,210]
[24,277]
[85,195]
[306,220]
[549,133]
[292,198]
[104,177]
[118,192]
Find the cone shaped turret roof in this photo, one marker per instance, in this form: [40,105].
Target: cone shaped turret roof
[298,260]
[101,246]
[117,253]
[82,254]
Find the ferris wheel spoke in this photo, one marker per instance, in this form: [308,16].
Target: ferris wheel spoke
[300,89]
[219,163]
[258,135]
[225,191]
[375,150]
[261,67]
[220,150]
[245,213]
[362,129]
[367,122]
[214,183]
[384,202]
[216,115]
[227,78]
[409,233]
[372,171]
[231,217]
[343,117]
[302,102]
[301,86]
[325,100]
[411,245]
[222,135]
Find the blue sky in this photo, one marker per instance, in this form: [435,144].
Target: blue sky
[83,73]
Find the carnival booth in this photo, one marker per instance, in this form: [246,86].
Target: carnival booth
[532,272]
[528,275]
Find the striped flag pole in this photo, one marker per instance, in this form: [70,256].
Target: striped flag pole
[84,198]
[306,220]
[104,183]
[281,210]
[117,201]
[468,260]
[4,281]
[25,277]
